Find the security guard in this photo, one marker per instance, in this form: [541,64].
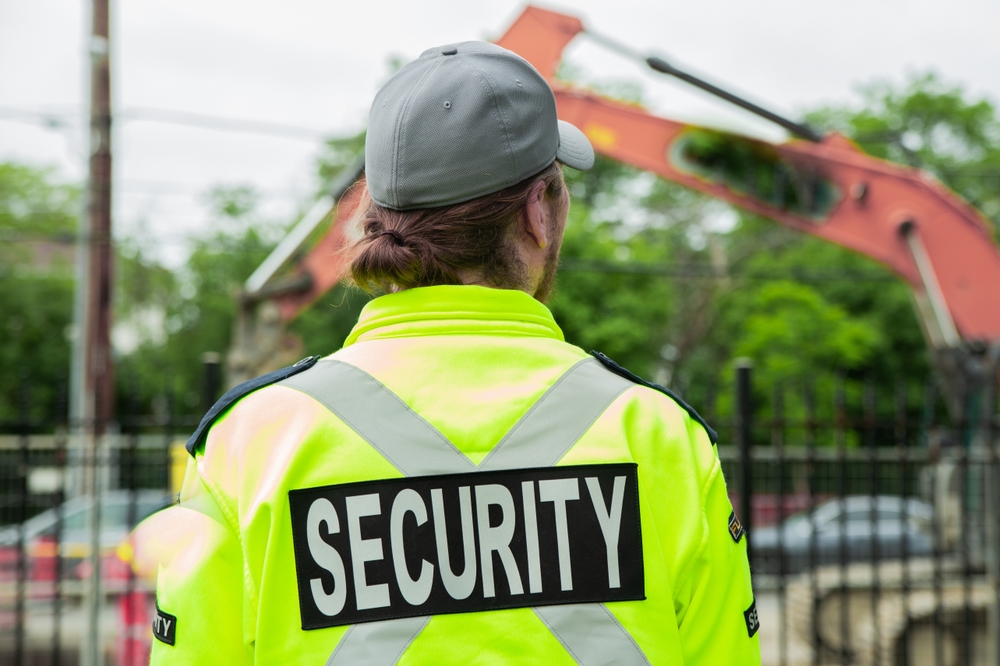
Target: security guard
[457,485]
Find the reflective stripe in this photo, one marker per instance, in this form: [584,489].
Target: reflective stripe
[589,632]
[592,635]
[377,643]
[410,443]
[560,417]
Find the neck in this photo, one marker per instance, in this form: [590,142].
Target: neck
[476,278]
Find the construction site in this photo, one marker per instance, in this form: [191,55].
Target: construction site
[827,299]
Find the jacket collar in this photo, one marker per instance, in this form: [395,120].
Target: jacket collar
[454,310]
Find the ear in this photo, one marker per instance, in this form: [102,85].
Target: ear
[537,211]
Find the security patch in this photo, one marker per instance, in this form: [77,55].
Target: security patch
[750,615]
[459,543]
[164,627]
[735,527]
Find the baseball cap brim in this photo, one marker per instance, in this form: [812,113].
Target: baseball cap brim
[574,147]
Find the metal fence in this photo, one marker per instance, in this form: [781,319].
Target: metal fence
[872,524]
[67,593]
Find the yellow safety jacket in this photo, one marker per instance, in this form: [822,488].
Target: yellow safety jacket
[457,485]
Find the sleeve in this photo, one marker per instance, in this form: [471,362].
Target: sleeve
[719,621]
[197,560]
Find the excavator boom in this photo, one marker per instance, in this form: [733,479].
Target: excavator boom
[899,216]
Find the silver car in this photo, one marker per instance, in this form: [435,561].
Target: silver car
[75,538]
[851,529]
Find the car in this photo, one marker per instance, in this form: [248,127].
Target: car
[75,539]
[857,528]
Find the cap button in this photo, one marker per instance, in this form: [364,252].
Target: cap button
[451,51]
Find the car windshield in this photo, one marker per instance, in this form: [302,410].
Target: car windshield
[858,510]
[114,514]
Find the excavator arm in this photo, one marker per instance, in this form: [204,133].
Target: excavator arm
[901,217]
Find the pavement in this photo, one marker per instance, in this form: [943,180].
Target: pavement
[779,648]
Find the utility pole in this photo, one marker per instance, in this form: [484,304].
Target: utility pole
[97,401]
[99,375]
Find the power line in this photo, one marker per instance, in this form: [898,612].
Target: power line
[712,272]
[193,190]
[60,119]
[691,270]
[223,124]
[137,184]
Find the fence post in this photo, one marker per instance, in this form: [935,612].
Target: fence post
[744,426]
[211,362]
[992,500]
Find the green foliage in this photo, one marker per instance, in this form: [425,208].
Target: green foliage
[931,124]
[33,201]
[33,343]
[615,312]
[37,222]
[789,325]
[173,318]
[338,154]
[177,317]
[756,169]
[324,326]
[623,221]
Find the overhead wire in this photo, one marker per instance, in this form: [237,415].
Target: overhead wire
[688,270]
[700,270]
[194,190]
[59,119]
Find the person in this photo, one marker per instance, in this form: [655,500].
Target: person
[457,484]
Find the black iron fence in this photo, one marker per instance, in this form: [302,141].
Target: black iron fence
[873,523]
[67,593]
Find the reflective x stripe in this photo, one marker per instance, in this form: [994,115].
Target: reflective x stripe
[560,417]
[377,643]
[410,443]
[589,632]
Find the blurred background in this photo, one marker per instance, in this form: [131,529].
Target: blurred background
[226,122]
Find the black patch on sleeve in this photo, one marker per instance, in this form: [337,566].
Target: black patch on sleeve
[244,389]
[750,615]
[622,372]
[165,627]
[460,543]
[735,527]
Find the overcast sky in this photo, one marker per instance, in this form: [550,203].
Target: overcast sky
[316,64]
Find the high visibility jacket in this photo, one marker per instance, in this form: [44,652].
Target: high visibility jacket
[457,485]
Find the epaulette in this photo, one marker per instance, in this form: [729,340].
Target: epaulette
[622,372]
[244,389]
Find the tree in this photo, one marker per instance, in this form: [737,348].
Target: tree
[38,216]
[326,324]
[933,125]
[174,318]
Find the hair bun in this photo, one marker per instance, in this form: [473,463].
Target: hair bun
[395,235]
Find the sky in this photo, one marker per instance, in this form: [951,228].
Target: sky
[313,67]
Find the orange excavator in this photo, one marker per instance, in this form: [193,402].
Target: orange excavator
[821,185]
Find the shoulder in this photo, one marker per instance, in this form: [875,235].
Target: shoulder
[623,372]
[235,394]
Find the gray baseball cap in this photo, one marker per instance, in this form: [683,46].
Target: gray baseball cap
[462,121]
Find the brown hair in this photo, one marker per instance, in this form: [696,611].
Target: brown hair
[431,246]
